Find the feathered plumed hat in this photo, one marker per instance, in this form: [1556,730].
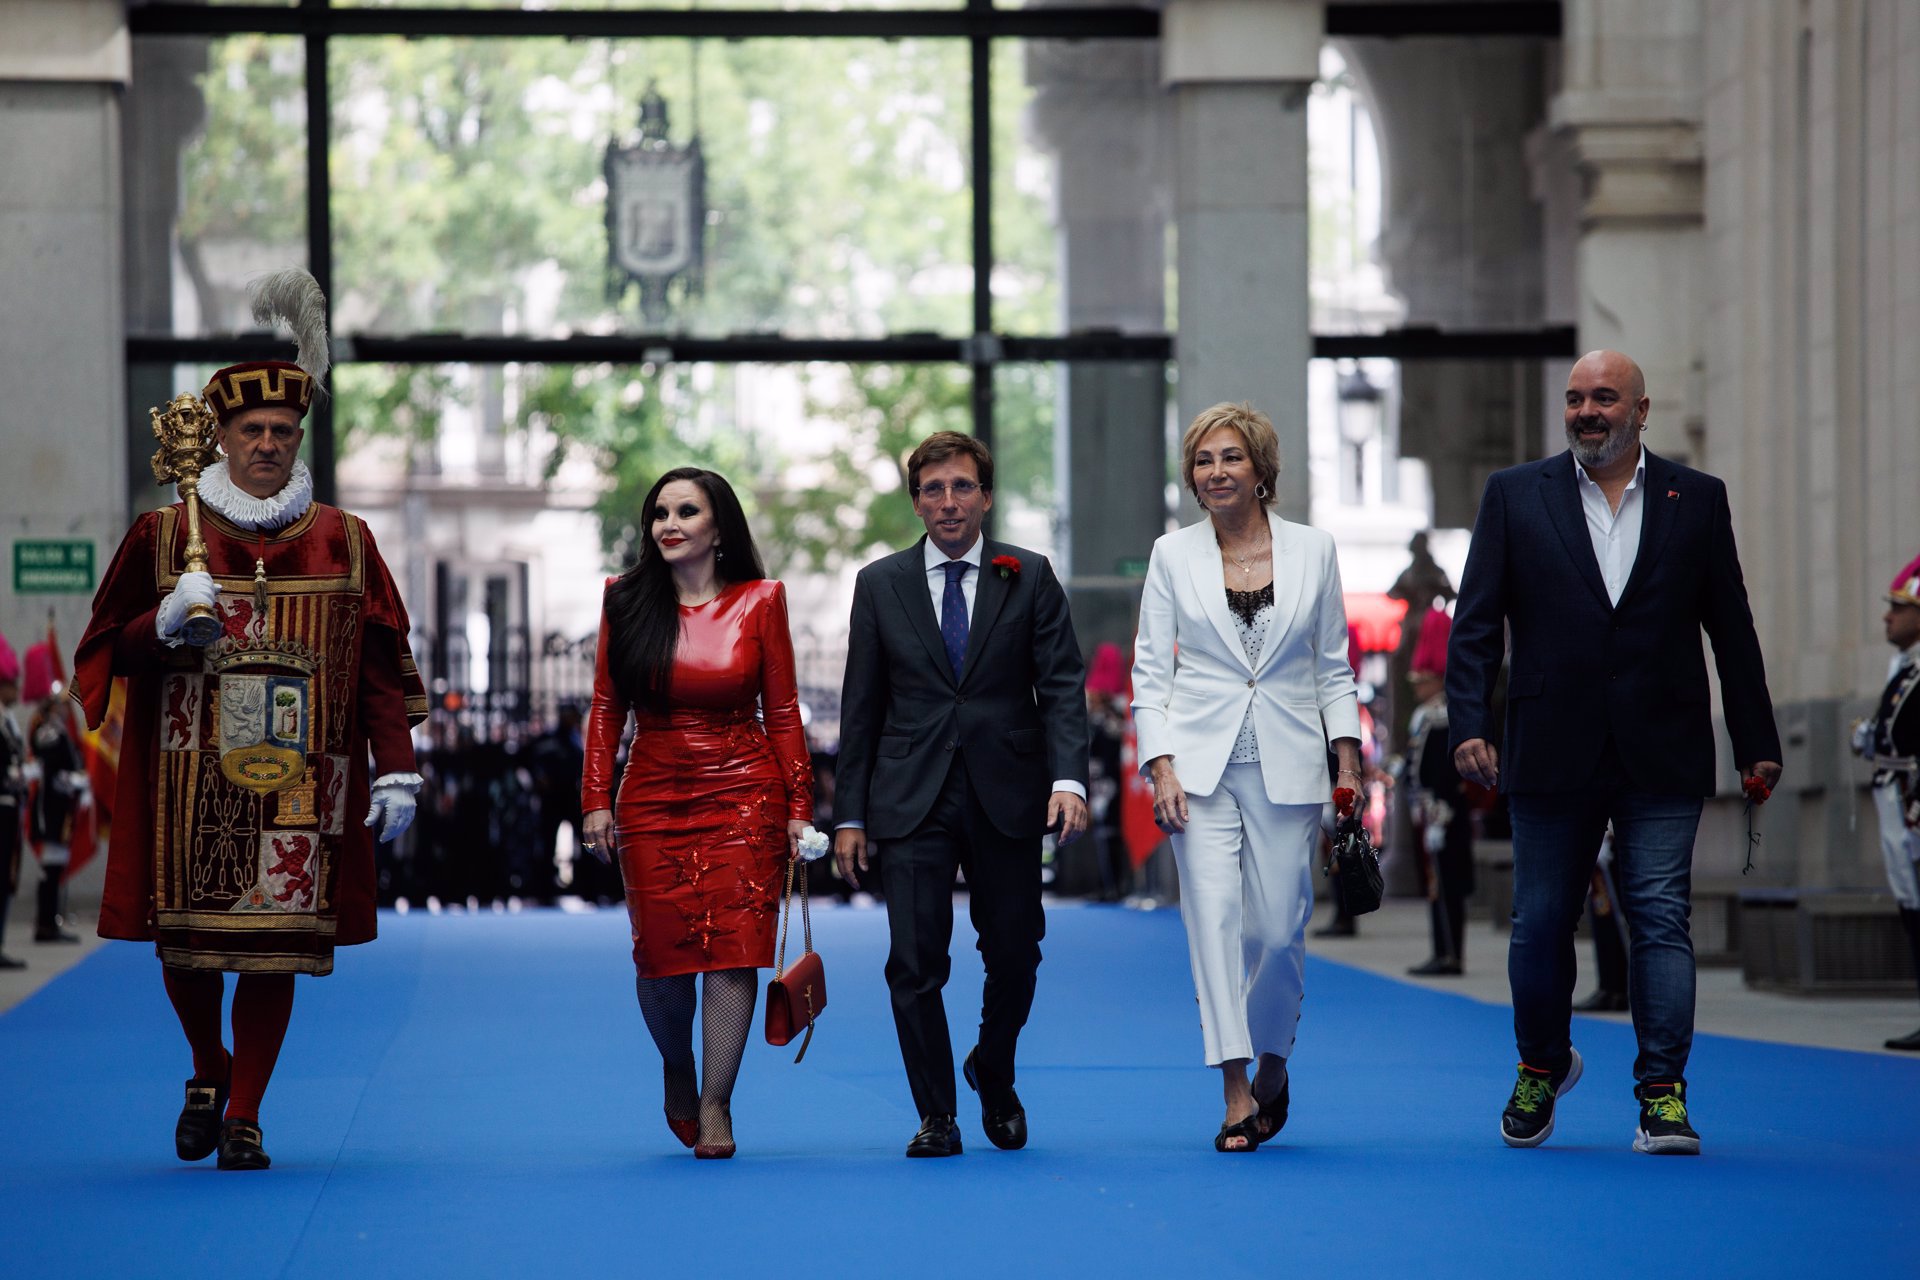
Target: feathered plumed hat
[1906,587]
[290,297]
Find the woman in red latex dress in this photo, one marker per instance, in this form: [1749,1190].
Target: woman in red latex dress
[714,797]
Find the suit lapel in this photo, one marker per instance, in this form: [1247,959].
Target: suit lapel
[1210,582]
[989,597]
[910,585]
[1562,495]
[1657,511]
[1289,588]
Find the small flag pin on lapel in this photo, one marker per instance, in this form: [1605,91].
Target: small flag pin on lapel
[1673,493]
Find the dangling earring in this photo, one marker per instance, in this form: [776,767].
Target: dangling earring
[718,553]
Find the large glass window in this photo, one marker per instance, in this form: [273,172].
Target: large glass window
[470,190]
[217,158]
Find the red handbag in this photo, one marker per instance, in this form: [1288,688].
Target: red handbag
[796,995]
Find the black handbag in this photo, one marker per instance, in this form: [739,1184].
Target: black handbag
[1356,867]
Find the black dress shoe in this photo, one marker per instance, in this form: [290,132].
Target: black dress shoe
[240,1146]
[197,1133]
[1603,1001]
[1906,1044]
[11,962]
[938,1136]
[1438,967]
[1001,1115]
[54,933]
[1337,928]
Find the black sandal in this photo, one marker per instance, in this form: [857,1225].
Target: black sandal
[1247,1130]
[1274,1111]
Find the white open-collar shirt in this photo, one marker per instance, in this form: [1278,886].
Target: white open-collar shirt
[1615,534]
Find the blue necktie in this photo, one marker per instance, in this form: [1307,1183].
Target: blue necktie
[953,615]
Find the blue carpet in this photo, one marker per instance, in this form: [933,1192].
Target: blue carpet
[476,1095]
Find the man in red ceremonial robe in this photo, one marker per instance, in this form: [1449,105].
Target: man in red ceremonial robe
[245,814]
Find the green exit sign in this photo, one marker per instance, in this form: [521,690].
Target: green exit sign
[1130,567]
[52,566]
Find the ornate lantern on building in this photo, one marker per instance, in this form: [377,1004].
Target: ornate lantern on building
[656,211]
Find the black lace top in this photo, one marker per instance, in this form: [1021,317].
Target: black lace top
[1249,603]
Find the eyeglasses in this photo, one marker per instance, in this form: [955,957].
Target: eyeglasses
[937,492]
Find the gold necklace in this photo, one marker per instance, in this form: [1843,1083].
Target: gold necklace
[1246,564]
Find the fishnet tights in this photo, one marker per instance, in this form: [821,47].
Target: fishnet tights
[667,1004]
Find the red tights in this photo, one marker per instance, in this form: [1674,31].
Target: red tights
[262,1005]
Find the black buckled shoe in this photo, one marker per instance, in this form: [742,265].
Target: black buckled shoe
[1001,1115]
[240,1146]
[196,1134]
[938,1136]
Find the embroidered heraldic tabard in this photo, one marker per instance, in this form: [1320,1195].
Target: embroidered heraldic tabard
[237,836]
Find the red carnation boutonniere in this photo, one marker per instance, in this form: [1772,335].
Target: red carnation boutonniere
[1009,566]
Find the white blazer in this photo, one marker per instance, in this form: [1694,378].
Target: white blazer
[1192,682]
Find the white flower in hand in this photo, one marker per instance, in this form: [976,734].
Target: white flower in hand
[813,845]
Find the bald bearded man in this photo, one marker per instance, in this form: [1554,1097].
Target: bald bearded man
[1604,564]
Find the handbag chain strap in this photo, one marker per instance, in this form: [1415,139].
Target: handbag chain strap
[786,918]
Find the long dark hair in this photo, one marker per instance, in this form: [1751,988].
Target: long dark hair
[643,609]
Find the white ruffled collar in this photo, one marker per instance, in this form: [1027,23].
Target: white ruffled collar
[218,491]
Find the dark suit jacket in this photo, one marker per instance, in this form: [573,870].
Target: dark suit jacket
[1584,668]
[1019,715]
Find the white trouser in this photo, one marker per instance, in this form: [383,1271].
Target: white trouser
[1899,846]
[1246,894]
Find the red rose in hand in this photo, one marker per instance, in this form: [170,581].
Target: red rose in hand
[1343,801]
[1758,792]
[1009,566]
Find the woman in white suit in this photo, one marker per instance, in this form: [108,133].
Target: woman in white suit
[1240,682]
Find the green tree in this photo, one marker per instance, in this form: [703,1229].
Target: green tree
[468,196]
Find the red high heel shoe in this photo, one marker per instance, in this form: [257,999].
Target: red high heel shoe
[715,1150]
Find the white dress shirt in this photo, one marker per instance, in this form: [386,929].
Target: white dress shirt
[1615,534]
[936,562]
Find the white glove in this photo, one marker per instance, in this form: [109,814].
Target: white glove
[1862,737]
[392,804]
[192,589]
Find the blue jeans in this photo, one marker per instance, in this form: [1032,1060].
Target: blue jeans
[1556,839]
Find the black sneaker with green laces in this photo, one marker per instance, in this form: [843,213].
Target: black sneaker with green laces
[1664,1130]
[1528,1119]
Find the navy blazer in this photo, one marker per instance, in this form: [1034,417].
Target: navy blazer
[1583,668]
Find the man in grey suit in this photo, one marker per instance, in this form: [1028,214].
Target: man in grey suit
[964,696]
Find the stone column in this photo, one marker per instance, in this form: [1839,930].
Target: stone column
[1630,111]
[63,64]
[1099,110]
[167,110]
[1461,242]
[1239,71]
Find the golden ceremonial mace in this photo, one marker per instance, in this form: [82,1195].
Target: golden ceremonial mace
[185,432]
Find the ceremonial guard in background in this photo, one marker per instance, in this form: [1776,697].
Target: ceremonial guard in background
[13,791]
[263,668]
[1890,741]
[1443,822]
[60,774]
